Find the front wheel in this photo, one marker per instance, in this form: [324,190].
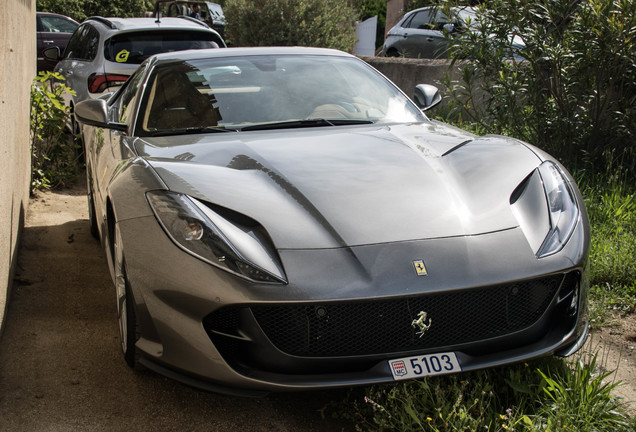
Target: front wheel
[128,331]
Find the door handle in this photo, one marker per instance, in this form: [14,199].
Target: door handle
[49,42]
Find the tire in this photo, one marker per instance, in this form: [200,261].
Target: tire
[126,317]
[393,53]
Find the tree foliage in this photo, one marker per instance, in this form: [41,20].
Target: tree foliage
[320,23]
[571,90]
[52,150]
[80,9]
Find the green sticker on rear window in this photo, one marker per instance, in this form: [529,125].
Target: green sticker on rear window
[122,56]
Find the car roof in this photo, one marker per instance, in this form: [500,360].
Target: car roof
[452,8]
[117,25]
[54,14]
[240,52]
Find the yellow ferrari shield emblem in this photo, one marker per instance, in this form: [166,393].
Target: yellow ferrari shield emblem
[420,268]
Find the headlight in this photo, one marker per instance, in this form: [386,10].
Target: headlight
[562,209]
[241,249]
[546,209]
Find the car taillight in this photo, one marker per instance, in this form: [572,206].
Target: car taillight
[97,83]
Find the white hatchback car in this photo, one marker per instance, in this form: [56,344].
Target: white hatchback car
[104,52]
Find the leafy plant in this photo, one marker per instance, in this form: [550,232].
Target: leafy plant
[569,88]
[81,9]
[52,150]
[320,23]
[580,400]
[541,395]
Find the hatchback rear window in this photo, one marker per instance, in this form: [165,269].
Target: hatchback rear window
[135,47]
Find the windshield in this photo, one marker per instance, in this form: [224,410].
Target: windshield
[270,92]
[135,47]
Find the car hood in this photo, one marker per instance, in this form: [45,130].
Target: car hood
[350,185]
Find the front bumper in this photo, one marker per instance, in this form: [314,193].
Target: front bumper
[491,302]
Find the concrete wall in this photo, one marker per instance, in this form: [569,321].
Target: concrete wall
[17,69]
[406,73]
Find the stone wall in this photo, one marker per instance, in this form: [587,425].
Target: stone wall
[406,73]
[17,69]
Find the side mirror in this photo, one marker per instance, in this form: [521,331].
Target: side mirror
[426,96]
[94,112]
[52,53]
[449,28]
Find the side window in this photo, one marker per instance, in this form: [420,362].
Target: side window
[128,98]
[421,20]
[440,20]
[74,49]
[83,44]
[92,43]
[56,24]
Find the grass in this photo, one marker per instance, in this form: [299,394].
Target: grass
[545,395]
[611,205]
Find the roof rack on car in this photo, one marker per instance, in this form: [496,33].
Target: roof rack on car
[194,20]
[103,20]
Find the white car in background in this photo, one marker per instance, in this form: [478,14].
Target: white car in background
[104,52]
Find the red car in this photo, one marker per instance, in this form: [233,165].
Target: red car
[53,30]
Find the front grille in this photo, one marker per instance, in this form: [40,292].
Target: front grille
[341,328]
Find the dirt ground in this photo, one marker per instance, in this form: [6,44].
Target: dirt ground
[57,251]
[615,346]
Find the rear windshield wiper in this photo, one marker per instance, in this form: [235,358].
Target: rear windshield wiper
[305,123]
[190,130]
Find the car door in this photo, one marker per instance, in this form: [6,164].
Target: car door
[437,39]
[422,37]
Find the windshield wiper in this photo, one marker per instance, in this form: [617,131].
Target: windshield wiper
[191,130]
[305,123]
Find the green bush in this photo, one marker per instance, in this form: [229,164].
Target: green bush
[52,150]
[319,23]
[571,90]
[81,9]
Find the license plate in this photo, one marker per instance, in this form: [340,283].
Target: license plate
[424,365]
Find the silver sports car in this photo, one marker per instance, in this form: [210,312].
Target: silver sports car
[286,218]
